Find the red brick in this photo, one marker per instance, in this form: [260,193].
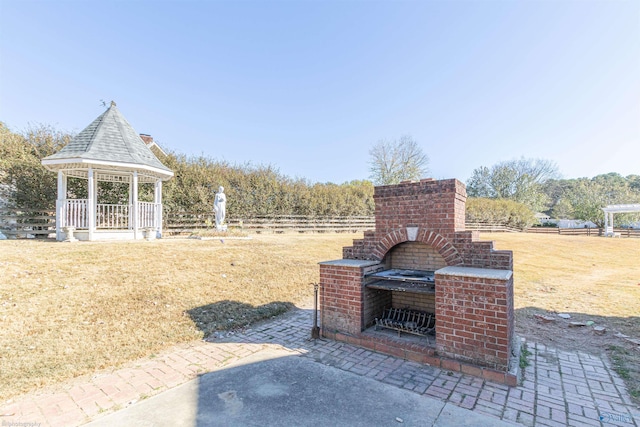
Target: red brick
[450,365]
[462,333]
[511,380]
[353,340]
[415,356]
[492,375]
[471,370]
[433,361]
[397,352]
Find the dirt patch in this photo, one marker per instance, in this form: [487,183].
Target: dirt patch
[563,334]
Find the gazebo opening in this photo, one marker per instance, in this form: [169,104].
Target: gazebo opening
[122,193]
[610,210]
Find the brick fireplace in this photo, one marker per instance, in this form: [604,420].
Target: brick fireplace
[418,262]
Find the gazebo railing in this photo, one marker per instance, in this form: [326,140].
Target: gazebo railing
[112,216]
[147,214]
[74,213]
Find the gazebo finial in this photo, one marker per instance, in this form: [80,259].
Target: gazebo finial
[113,103]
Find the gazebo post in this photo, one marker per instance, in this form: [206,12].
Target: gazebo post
[60,204]
[609,212]
[157,200]
[91,203]
[130,216]
[134,205]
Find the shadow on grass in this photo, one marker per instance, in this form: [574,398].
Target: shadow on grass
[226,315]
[580,333]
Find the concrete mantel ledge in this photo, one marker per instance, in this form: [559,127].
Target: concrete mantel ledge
[482,273]
[350,263]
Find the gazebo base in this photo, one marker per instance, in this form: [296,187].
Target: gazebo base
[102,235]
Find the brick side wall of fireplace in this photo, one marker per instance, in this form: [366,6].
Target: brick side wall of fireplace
[342,294]
[375,301]
[475,315]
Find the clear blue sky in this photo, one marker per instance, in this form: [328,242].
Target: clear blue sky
[310,86]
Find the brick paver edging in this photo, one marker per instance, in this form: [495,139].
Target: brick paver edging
[424,357]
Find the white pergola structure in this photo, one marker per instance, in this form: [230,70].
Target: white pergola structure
[613,209]
[109,149]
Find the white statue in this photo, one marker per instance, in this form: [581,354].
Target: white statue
[220,207]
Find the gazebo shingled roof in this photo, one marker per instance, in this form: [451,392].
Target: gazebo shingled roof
[109,141]
[109,149]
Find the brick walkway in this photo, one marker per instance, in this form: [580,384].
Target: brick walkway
[560,388]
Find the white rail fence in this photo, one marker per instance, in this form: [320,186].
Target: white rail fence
[180,223]
[41,222]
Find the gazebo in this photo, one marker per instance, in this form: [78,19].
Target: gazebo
[109,150]
[610,210]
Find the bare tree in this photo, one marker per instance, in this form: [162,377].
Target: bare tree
[397,160]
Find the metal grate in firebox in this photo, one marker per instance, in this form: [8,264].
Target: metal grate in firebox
[409,321]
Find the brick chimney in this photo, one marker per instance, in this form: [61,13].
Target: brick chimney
[148,139]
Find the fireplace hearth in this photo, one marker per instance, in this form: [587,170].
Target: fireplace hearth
[421,287]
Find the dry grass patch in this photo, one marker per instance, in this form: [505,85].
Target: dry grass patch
[590,275]
[212,232]
[69,309]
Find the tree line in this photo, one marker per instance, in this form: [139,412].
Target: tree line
[536,184]
[506,193]
[252,190]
